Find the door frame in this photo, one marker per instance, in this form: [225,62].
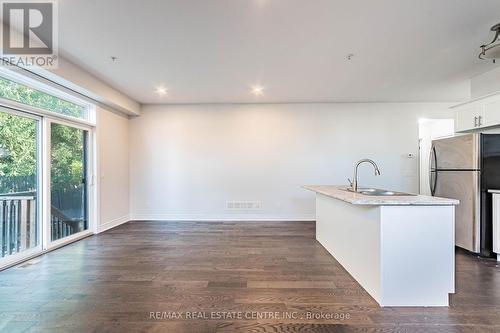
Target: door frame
[37,250]
[45,119]
[89,185]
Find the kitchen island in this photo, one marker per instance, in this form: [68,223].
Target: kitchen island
[400,249]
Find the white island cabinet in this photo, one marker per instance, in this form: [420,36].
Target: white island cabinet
[400,249]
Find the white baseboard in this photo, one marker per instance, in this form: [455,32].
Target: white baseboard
[223,218]
[113,223]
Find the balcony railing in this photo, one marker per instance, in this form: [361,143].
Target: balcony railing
[18,228]
[63,225]
[18,223]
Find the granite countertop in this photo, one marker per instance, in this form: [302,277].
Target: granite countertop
[340,193]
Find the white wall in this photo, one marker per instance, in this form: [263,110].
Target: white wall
[186,161]
[113,168]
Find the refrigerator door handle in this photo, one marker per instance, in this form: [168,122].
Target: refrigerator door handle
[430,181]
[433,191]
[433,162]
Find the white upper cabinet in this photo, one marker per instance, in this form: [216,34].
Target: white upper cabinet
[478,114]
[469,116]
[492,112]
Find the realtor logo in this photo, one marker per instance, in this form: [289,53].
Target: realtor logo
[29,33]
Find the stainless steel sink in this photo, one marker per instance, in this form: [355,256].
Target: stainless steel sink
[378,192]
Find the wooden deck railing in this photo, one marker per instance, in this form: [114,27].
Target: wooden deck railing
[63,225]
[18,223]
[18,229]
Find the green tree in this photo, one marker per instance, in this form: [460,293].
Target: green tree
[67,148]
[18,142]
[17,153]
[23,94]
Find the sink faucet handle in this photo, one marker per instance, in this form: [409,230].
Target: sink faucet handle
[350,182]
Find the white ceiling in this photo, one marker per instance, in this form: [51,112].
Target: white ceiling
[213,51]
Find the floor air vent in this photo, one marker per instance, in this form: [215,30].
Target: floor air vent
[243,205]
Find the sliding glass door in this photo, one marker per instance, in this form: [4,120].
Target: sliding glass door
[46,157]
[68,181]
[20,231]
[24,230]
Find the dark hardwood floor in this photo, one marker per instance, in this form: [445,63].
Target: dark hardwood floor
[131,278]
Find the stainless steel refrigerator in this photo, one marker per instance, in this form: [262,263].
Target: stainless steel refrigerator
[464,168]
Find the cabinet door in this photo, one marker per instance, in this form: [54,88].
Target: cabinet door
[467,116]
[492,113]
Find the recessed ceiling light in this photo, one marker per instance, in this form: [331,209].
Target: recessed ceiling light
[257,90]
[161,90]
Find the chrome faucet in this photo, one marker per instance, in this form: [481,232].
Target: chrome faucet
[354,183]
